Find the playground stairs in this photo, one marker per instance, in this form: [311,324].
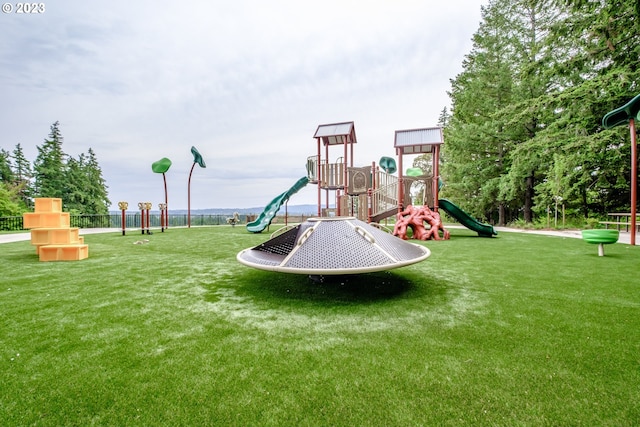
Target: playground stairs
[51,234]
[383,215]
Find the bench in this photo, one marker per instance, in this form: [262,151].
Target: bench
[620,219]
[616,223]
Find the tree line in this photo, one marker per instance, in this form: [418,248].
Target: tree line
[77,180]
[525,127]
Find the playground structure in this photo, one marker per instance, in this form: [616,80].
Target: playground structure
[370,193]
[51,233]
[373,193]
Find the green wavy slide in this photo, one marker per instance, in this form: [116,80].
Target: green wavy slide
[270,211]
[483,230]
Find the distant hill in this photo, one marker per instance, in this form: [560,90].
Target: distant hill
[307,210]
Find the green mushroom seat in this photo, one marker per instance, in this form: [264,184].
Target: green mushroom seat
[600,238]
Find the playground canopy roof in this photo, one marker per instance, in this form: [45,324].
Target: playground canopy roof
[416,141]
[336,133]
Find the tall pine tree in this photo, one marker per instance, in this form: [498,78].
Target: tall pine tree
[97,196]
[50,166]
[23,176]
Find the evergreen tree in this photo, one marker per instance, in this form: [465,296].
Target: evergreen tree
[8,204]
[530,21]
[475,144]
[6,172]
[86,188]
[491,126]
[23,176]
[594,69]
[97,196]
[8,197]
[50,166]
[77,185]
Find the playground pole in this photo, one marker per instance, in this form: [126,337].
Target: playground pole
[161,207]
[147,206]
[400,181]
[436,175]
[166,201]
[189,197]
[319,178]
[142,222]
[634,179]
[123,207]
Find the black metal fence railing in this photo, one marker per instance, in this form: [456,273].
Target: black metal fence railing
[14,223]
[11,223]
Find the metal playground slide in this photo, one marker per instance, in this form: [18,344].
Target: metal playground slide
[270,211]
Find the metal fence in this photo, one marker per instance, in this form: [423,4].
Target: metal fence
[14,223]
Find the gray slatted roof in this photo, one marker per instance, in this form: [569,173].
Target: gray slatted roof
[418,140]
[336,133]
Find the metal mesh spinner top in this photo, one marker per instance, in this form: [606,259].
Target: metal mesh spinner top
[342,245]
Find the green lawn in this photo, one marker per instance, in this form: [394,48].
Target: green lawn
[514,330]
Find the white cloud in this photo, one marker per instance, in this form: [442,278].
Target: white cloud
[247,82]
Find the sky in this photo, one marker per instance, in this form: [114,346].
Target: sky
[246,82]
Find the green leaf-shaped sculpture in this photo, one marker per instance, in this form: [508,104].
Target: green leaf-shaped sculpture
[197,158]
[161,166]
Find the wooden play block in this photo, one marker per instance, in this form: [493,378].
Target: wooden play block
[80,241]
[55,236]
[46,219]
[51,234]
[74,252]
[45,204]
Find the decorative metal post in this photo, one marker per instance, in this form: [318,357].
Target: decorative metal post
[123,206]
[163,219]
[147,206]
[141,206]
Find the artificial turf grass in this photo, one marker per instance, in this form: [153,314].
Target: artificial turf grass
[517,330]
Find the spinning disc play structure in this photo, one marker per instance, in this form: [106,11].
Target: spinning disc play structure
[333,246]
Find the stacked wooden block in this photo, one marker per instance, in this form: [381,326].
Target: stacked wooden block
[51,233]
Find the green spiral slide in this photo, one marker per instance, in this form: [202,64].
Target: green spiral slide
[270,211]
[483,230]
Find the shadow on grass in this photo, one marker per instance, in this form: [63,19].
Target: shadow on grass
[346,290]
